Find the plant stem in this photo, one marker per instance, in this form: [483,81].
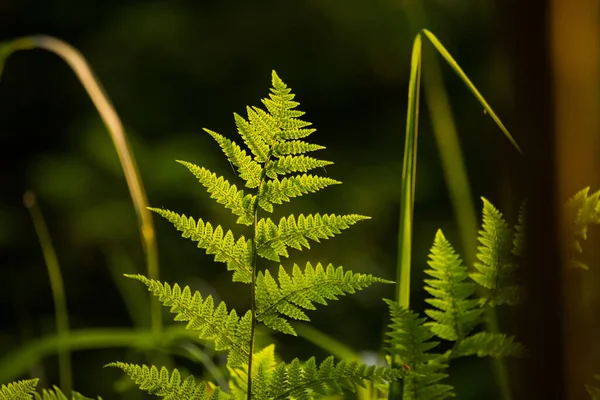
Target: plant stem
[253,295]
[58,291]
[115,128]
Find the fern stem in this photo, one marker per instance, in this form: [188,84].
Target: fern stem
[115,128]
[253,295]
[58,291]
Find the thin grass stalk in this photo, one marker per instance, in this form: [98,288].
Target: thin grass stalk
[115,128]
[57,287]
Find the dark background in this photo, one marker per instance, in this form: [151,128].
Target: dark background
[172,68]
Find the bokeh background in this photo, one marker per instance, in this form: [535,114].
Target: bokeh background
[172,68]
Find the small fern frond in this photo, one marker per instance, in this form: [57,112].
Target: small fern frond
[301,290]
[263,366]
[594,391]
[170,386]
[583,210]
[409,343]
[57,394]
[457,313]
[485,344]
[496,265]
[228,331]
[272,240]
[237,255]
[520,233]
[278,191]
[293,147]
[249,170]
[257,140]
[224,193]
[289,164]
[20,390]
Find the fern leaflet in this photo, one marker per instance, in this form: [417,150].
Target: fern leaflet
[21,390]
[228,331]
[485,344]
[583,210]
[299,291]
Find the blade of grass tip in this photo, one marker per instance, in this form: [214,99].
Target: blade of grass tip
[407,193]
[450,60]
[115,128]
[58,290]
[18,361]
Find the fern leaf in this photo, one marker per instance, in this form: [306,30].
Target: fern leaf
[272,240]
[228,331]
[163,384]
[278,191]
[263,367]
[20,390]
[303,381]
[288,164]
[496,265]
[256,140]
[249,170]
[237,255]
[299,292]
[225,193]
[485,344]
[583,210]
[57,394]
[458,313]
[293,147]
[409,342]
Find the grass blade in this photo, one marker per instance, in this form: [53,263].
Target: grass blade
[58,291]
[115,128]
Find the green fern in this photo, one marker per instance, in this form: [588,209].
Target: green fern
[583,210]
[161,383]
[274,168]
[21,390]
[409,344]
[301,290]
[496,266]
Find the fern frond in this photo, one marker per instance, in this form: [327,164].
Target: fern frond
[278,191]
[288,164]
[224,193]
[496,265]
[519,241]
[237,255]
[293,147]
[457,313]
[263,366]
[170,386]
[229,332]
[485,344]
[583,210]
[409,343]
[20,390]
[249,170]
[272,240]
[298,292]
[594,391]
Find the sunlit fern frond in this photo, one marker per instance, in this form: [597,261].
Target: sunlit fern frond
[291,295]
[229,332]
[236,254]
[263,366]
[277,191]
[273,240]
[457,312]
[171,386]
[57,394]
[409,343]
[496,267]
[225,193]
[20,390]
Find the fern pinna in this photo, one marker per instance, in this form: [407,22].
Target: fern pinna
[457,311]
[274,171]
